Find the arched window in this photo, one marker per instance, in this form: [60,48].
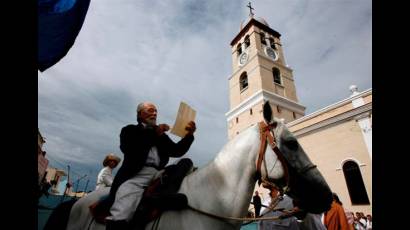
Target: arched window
[239,49]
[247,41]
[243,81]
[276,76]
[355,184]
[272,43]
[263,41]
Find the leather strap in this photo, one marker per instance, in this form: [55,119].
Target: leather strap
[266,133]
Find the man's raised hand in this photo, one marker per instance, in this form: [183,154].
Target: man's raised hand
[191,127]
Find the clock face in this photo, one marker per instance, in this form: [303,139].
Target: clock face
[271,53]
[243,58]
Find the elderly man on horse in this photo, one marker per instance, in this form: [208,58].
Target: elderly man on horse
[146,150]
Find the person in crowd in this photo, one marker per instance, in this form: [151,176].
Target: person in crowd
[105,177]
[350,219]
[284,206]
[335,218]
[257,203]
[369,222]
[312,222]
[359,223]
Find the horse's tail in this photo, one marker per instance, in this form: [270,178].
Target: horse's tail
[59,217]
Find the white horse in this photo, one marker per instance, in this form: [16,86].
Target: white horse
[225,186]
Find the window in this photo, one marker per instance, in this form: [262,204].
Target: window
[278,109]
[247,41]
[263,41]
[243,81]
[237,120]
[272,43]
[354,182]
[239,49]
[250,111]
[276,76]
[294,115]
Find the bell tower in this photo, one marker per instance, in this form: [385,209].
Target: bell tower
[259,74]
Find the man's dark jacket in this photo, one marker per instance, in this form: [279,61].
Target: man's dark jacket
[136,142]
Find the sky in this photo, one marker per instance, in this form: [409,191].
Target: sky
[168,51]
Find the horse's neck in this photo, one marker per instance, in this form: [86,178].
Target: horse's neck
[225,186]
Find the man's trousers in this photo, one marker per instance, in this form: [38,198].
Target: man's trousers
[129,194]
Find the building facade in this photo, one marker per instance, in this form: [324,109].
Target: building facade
[338,139]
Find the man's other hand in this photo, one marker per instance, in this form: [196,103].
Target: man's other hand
[161,129]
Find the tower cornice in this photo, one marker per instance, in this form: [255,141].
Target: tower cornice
[263,95]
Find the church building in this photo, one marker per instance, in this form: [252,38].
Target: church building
[336,138]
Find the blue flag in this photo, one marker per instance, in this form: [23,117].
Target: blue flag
[59,22]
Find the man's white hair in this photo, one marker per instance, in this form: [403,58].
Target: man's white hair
[140,107]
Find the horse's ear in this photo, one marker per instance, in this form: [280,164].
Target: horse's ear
[267,112]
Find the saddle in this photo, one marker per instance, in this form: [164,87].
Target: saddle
[161,195]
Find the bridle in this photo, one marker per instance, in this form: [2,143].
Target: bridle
[266,134]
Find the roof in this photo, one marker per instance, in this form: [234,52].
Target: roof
[345,109]
[260,23]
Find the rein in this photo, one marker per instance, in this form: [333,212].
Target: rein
[275,202]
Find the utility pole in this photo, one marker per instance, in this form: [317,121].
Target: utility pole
[86,185]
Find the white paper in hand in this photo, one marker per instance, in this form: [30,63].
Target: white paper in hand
[184,116]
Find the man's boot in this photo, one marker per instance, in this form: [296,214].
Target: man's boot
[116,225]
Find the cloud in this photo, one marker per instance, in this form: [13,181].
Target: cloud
[171,51]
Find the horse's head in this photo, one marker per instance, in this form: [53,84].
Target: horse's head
[306,184]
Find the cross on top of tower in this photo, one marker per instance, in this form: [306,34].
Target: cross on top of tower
[250,9]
